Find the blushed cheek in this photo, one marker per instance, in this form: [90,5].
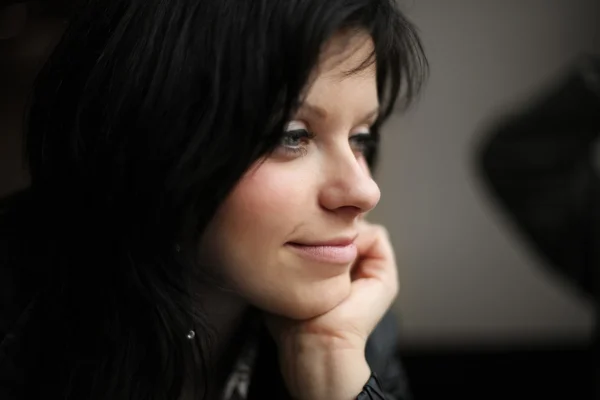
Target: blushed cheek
[269,200]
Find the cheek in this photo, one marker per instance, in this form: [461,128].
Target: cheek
[246,241]
[257,218]
[268,201]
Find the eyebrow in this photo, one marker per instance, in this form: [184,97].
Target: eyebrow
[322,113]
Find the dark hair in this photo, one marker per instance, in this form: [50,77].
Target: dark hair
[143,119]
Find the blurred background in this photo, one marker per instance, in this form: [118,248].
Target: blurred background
[482,315]
[466,277]
[478,306]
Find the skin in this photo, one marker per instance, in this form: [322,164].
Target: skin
[319,314]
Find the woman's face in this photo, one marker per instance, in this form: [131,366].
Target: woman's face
[283,237]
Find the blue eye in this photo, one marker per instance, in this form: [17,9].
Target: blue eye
[295,139]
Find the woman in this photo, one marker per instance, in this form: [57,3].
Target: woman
[194,226]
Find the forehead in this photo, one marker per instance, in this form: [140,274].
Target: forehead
[345,78]
[347,53]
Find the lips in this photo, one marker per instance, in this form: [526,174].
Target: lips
[341,251]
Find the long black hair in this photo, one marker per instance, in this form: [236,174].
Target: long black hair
[142,120]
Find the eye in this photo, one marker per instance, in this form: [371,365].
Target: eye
[295,139]
[362,143]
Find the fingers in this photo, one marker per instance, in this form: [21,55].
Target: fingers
[376,258]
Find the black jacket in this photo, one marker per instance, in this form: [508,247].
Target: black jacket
[22,309]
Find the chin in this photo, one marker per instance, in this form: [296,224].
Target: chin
[310,301]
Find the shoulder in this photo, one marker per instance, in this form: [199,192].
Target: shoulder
[383,342]
[384,359]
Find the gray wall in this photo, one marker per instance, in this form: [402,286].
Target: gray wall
[465,277]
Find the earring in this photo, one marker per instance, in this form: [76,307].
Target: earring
[191,334]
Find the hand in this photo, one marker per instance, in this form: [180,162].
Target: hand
[323,358]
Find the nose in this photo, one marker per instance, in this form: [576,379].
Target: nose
[349,186]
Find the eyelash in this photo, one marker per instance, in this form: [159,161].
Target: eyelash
[297,134]
[364,141]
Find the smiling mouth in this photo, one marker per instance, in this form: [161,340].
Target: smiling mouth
[341,254]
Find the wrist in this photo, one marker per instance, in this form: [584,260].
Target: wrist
[319,371]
